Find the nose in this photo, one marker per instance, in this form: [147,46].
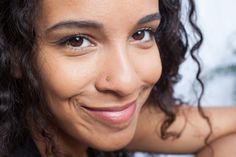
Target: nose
[118,74]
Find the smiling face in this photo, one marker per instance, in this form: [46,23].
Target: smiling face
[98,62]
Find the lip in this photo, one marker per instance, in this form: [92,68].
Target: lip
[113,115]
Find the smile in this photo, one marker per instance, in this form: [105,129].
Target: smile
[113,115]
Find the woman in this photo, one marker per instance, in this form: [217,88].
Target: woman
[75,76]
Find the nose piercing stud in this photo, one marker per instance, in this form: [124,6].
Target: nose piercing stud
[108,78]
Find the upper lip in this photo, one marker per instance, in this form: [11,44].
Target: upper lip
[110,109]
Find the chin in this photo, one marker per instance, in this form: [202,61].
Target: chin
[114,141]
[113,145]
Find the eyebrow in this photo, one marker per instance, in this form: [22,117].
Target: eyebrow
[149,18]
[75,24]
[96,25]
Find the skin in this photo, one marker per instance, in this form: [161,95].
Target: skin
[222,147]
[73,77]
[194,130]
[74,73]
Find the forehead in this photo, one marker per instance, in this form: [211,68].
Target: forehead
[53,11]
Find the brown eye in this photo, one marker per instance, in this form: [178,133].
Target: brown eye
[78,42]
[143,35]
[75,41]
[138,35]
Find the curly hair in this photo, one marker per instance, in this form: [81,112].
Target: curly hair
[22,105]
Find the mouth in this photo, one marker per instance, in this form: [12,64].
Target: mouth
[112,115]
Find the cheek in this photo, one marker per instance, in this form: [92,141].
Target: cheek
[63,76]
[149,66]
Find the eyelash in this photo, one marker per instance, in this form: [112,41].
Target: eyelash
[66,40]
[149,30]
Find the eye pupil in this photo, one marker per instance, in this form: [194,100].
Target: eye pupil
[76,41]
[139,35]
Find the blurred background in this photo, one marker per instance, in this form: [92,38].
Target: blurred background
[218,56]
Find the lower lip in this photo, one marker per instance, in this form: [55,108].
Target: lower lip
[115,117]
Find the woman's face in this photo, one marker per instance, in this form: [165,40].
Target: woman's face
[98,61]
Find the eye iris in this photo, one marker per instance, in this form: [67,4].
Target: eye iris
[139,35]
[76,41]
